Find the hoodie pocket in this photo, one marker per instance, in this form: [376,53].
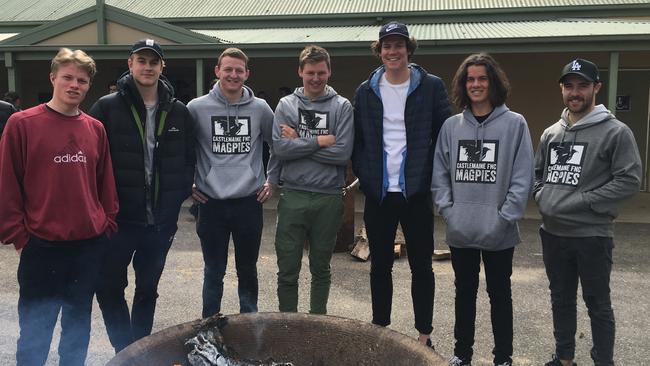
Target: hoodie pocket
[561,202]
[475,224]
[230,181]
[609,209]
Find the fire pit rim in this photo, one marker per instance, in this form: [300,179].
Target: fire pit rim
[161,338]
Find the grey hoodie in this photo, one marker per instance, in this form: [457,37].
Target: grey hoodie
[229,144]
[482,178]
[583,172]
[305,165]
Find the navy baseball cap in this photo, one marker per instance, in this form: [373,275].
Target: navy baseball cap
[393,29]
[148,44]
[583,68]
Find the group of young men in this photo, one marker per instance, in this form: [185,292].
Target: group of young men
[63,174]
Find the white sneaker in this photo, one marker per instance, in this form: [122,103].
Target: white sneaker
[457,361]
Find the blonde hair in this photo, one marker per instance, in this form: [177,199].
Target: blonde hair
[79,57]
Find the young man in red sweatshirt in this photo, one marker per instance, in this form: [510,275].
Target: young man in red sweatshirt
[58,204]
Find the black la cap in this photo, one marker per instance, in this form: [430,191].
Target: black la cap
[148,44]
[583,68]
[393,29]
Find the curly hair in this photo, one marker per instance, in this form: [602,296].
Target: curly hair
[499,88]
[411,46]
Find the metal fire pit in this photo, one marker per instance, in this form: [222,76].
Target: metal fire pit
[304,339]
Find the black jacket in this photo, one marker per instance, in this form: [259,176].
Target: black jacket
[6,110]
[173,158]
[427,108]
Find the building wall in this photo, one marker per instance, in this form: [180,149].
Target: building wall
[115,34]
[635,84]
[120,34]
[86,34]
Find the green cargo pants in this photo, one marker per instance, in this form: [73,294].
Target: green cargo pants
[304,216]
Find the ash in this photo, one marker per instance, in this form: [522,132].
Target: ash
[208,348]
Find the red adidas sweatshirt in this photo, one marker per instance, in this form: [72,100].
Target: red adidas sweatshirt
[56,178]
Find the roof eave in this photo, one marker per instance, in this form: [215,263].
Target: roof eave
[620,43]
[445,16]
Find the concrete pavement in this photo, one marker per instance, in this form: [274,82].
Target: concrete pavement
[180,293]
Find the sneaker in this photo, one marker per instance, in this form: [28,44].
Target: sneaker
[457,361]
[556,362]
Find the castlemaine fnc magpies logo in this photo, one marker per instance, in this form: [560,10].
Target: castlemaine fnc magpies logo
[71,153]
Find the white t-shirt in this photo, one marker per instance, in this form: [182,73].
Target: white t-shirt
[393,97]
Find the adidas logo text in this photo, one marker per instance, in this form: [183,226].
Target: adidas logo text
[69,158]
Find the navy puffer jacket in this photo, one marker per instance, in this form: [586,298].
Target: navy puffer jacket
[427,108]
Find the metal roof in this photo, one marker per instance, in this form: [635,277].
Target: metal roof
[224,8]
[436,32]
[39,10]
[47,10]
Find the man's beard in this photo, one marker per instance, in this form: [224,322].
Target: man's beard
[587,104]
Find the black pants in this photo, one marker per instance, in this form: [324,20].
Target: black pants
[498,269]
[589,259]
[148,248]
[416,219]
[53,277]
[218,219]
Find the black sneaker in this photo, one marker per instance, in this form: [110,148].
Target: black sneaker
[556,362]
[457,361]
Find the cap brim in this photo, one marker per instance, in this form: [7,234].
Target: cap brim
[147,48]
[578,74]
[394,34]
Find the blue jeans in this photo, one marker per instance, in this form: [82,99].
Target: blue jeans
[148,248]
[416,218]
[588,259]
[57,277]
[218,219]
[498,269]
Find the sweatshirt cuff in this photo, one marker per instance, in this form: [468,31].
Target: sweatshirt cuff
[273,179]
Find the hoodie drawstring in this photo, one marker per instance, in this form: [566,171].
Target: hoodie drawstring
[228,105]
[575,136]
[236,113]
[227,117]
[478,140]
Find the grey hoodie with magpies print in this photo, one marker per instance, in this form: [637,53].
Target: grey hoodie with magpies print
[229,144]
[583,172]
[305,165]
[482,178]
